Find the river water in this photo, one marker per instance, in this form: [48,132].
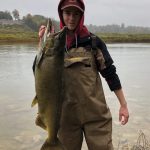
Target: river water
[17,128]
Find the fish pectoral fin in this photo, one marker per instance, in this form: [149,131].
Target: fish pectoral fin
[40,123]
[35,101]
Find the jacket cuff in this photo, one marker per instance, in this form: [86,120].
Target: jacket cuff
[111,77]
[114,83]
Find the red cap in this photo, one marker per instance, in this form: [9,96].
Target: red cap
[74,3]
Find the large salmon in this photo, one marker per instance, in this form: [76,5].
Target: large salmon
[49,84]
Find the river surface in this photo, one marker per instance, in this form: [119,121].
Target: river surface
[17,128]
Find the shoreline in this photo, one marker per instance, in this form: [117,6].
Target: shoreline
[124,38]
[36,42]
[109,38]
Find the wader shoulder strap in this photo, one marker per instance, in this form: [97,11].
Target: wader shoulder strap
[94,44]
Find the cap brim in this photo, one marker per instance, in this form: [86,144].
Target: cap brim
[71,5]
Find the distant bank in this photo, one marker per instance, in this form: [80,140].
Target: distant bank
[17,33]
[20,33]
[26,37]
[124,38]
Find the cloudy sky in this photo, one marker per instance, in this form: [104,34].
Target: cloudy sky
[98,12]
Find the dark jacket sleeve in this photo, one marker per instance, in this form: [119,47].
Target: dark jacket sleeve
[105,65]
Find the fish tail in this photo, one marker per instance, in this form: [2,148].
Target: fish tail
[52,146]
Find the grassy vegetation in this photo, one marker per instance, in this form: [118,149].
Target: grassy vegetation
[124,38]
[17,33]
[22,33]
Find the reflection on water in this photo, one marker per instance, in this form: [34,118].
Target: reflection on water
[17,128]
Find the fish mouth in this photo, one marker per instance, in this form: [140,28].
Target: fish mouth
[62,32]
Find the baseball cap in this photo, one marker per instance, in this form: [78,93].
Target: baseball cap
[74,3]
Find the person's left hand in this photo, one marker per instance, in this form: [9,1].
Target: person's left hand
[123,114]
[41,31]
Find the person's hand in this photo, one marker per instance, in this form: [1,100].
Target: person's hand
[41,31]
[123,114]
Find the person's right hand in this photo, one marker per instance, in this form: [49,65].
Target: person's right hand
[123,114]
[41,31]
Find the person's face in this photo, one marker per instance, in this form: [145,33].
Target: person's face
[71,17]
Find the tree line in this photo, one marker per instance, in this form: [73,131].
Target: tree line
[32,21]
[35,21]
[119,29]
[9,15]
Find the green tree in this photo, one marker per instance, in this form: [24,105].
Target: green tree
[28,20]
[5,15]
[35,21]
[15,14]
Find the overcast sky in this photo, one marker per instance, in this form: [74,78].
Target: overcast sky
[98,12]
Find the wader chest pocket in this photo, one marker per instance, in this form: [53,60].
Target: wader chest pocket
[85,61]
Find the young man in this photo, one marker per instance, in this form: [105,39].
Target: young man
[85,110]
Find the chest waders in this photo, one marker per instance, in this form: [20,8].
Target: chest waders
[84,110]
